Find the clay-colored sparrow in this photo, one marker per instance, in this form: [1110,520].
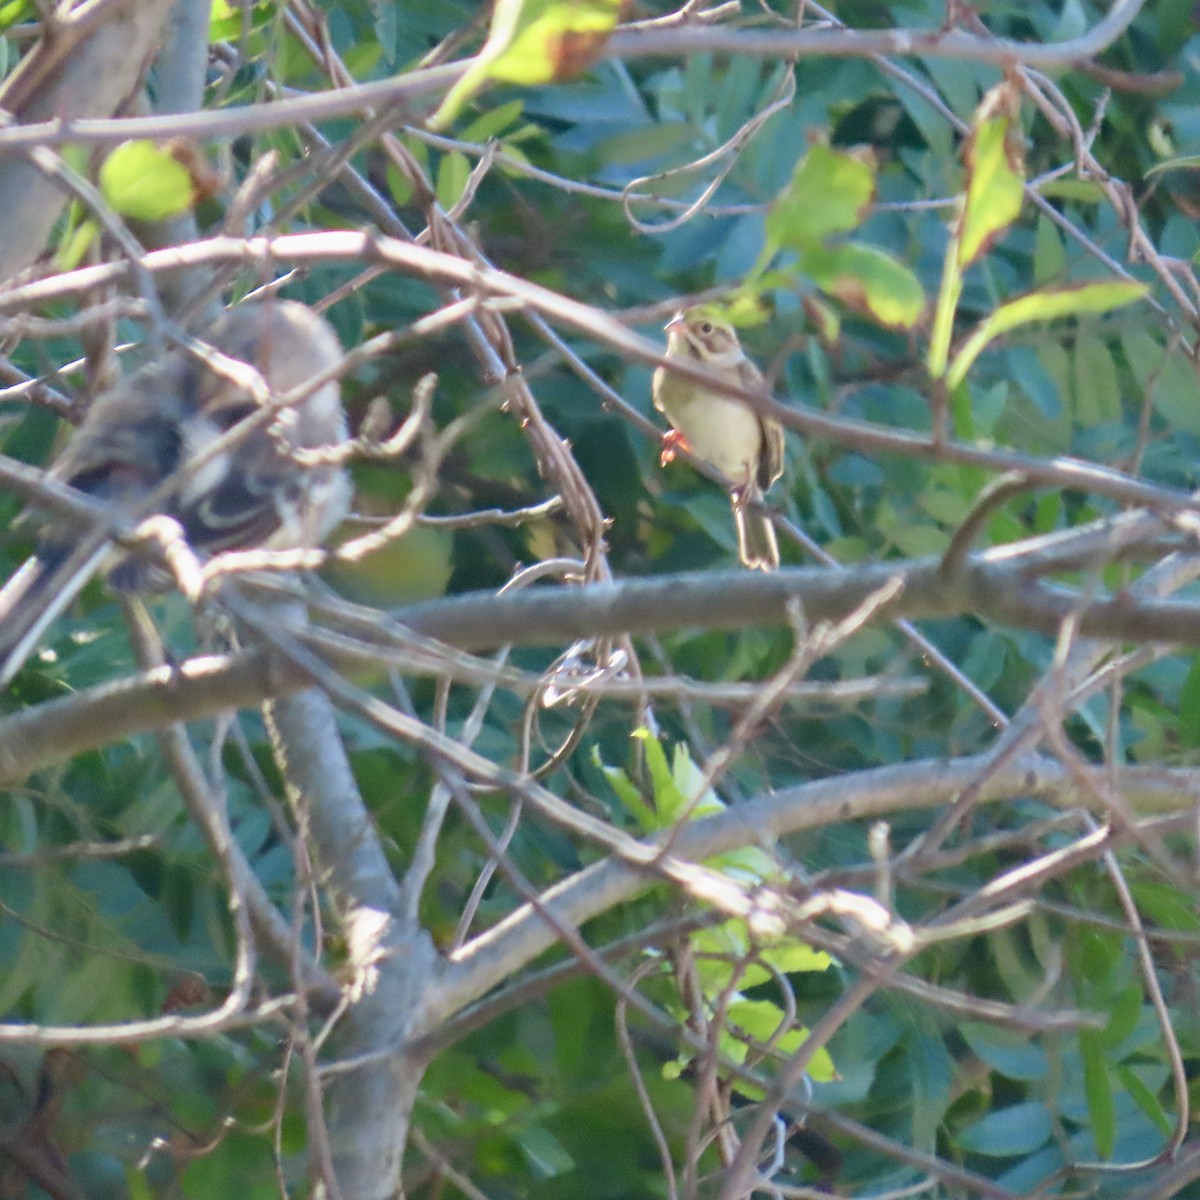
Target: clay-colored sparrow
[723,430]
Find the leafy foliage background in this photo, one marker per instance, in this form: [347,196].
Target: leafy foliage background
[550,1096]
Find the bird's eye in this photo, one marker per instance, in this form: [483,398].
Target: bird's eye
[706,328]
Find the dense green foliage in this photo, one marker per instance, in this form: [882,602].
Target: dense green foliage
[829,231]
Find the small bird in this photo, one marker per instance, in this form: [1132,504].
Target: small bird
[722,430]
[137,441]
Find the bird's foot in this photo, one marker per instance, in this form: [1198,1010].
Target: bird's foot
[672,442]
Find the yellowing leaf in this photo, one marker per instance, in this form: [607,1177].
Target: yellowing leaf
[142,181]
[995,173]
[868,280]
[534,41]
[1045,305]
[830,192]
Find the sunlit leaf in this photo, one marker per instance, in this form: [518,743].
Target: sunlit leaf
[143,181]
[868,280]
[1046,305]
[627,793]
[534,41]
[830,192]
[226,22]
[994,156]
[760,1019]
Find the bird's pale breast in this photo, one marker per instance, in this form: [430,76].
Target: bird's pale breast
[721,430]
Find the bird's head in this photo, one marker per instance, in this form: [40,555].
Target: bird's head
[704,335]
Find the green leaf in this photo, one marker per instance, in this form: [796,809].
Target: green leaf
[1097,1088]
[142,181]
[759,1019]
[995,173]
[868,280]
[489,124]
[1144,1098]
[1081,191]
[1186,162]
[533,41]
[830,192]
[1049,253]
[544,1153]
[72,249]
[16,10]
[1019,1129]
[453,172]
[1189,706]
[1005,1050]
[1124,1014]
[627,793]
[385,27]
[792,957]
[1097,384]
[1044,305]
[1166,905]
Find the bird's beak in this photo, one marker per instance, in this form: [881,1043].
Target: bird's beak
[676,324]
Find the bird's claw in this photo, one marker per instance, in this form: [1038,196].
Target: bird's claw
[672,442]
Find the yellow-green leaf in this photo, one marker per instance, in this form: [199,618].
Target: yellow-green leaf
[1045,305]
[74,246]
[830,192]
[226,22]
[142,181]
[453,172]
[16,10]
[628,793]
[868,280]
[534,41]
[491,124]
[759,1019]
[995,173]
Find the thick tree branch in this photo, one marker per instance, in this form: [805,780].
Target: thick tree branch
[678,41]
[515,941]
[684,41]
[999,584]
[368,1099]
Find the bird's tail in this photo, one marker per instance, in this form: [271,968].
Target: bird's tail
[757,545]
[36,595]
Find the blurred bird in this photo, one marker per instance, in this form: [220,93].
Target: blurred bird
[722,430]
[138,440]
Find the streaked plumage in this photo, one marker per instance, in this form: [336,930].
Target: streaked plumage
[140,436]
[720,429]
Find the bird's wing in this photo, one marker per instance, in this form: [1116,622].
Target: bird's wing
[770,465]
[770,461]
